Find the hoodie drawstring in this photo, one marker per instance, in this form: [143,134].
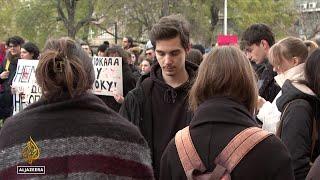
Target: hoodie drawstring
[170,96]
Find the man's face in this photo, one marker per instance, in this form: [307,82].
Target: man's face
[256,53]
[171,56]
[101,54]
[125,43]
[86,48]
[145,67]
[150,54]
[14,49]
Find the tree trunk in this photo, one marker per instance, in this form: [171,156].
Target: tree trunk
[165,8]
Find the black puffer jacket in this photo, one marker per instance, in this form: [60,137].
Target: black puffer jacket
[298,109]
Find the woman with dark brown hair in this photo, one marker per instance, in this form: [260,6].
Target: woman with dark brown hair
[223,98]
[312,73]
[69,130]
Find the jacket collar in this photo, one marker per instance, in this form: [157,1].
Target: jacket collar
[222,110]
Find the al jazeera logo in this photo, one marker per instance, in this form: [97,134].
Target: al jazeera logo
[31,153]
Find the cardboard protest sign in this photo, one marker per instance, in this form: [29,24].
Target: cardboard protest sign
[108,76]
[24,82]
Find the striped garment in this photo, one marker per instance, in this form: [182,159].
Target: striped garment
[78,139]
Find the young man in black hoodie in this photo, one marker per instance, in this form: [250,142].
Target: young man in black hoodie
[158,104]
[257,40]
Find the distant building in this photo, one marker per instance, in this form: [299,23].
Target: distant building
[308,23]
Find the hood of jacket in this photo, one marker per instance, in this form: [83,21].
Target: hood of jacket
[295,90]
[170,92]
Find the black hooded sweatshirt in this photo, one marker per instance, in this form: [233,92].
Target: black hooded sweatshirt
[158,109]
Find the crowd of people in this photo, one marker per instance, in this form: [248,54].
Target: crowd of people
[247,111]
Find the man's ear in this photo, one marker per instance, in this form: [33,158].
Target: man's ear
[188,48]
[265,44]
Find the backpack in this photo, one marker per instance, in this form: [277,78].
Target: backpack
[225,162]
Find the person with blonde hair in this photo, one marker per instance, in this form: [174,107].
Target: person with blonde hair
[291,114]
[70,131]
[311,45]
[223,99]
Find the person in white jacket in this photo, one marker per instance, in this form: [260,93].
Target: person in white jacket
[288,58]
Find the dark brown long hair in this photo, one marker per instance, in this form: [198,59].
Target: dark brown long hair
[64,68]
[225,72]
[312,72]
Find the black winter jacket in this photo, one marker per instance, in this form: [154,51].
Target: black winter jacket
[215,123]
[268,88]
[296,126]
[6,99]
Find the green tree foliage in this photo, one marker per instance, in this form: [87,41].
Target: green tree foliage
[8,11]
[37,20]
[280,15]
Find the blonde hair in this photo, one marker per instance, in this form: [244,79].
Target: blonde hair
[311,45]
[286,49]
[225,72]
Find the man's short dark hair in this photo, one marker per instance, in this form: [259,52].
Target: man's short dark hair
[102,48]
[15,40]
[199,47]
[106,43]
[170,27]
[255,33]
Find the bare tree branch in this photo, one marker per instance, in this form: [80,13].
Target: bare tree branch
[61,14]
[104,28]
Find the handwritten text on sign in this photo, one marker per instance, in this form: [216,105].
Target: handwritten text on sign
[108,76]
[27,90]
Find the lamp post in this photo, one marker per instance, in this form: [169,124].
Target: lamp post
[225,17]
[115,33]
